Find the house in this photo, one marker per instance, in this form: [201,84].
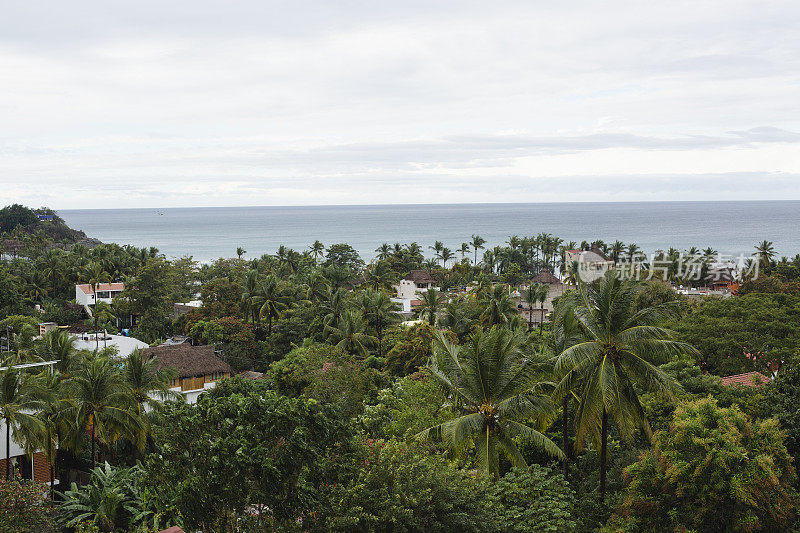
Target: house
[748,379]
[405,307]
[85,293]
[722,278]
[415,282]
[198,367]
[591,264]
[34,466]
[44,327]
[555,288]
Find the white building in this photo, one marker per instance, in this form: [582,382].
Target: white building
[591,264]
[124,345]
[415,282]
[85,293]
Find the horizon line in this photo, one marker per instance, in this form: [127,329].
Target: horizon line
[585,202]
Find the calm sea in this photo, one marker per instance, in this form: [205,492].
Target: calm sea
[209,233]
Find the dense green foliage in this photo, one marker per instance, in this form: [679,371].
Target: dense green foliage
[531,428]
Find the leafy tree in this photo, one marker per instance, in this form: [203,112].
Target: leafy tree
[533,499]
[714,470]
[495,385]
[783,399]
[243,445]
[404,488]
[726,331]
[106,502]
[343,256]
[24,508]
[412,348]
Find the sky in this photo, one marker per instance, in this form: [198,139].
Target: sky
[205,103]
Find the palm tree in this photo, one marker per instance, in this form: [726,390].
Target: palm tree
[94,275]
[542,292]
[431,302]
[384,251]
[531,295]
[19,397]
[496,386]
[240,252]
[633,249]
[317,249]
[499,307]
[272,300]
[103,312]
[445,255]
[477,244]
[250,296]
[437,248]
[148,385]
[382,312]
[54,424]
[103,403]
[58,345]
[620,352]
[617,249]
[765,253]
[464,249]
[350,334]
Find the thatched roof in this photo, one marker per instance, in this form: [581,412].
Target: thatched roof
[420,276]
[545,276]
[189,361]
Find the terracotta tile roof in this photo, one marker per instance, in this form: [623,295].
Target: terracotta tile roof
[173,529]
[88,289]
[749,379]
[188,360]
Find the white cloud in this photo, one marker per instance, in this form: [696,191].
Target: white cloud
[219,103]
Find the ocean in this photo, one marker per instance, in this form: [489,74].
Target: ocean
[207,233]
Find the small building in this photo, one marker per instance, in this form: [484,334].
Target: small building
[405,307]
[416,281]
[198,367]
[45,217]
[722,278]
[124,345]
[555,288]
[748,379]
[85,293]
[592,264]
[44,327]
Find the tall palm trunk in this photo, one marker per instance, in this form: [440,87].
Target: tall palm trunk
[530,318]
[52,479]
[8,449]
[603,456]
[564,436]
[94,459]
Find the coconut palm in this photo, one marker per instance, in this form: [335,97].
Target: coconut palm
[617,249]
[59,346]
[54,424]
[431,302]
[765,253]
[499,307]
[384,251]
[350,334]
[240,252]
[250,296]
[619,355]
[272,300]
[20,396]
[542,292]
[380,311]
[477,244]
[445,255]
[464,250]
[103,403]
[317,249]
[530,296]
[437,248]
[496,386]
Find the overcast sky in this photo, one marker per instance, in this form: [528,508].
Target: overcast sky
[199,103]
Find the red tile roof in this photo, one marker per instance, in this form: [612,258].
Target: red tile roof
[89,289]
[749,379]
[173,529]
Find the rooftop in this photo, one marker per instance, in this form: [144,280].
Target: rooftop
[419,276]
[189,361]
[89,289]
[749,379]
[545,276]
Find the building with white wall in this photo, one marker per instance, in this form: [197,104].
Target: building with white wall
[85,293]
